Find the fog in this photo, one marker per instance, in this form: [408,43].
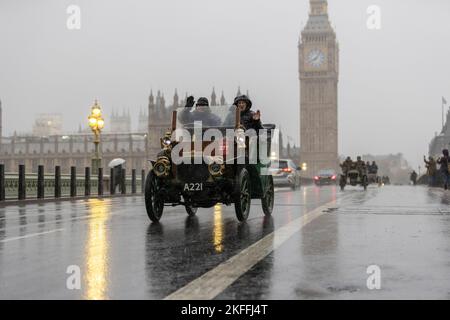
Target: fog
[390,85]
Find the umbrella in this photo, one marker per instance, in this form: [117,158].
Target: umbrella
[116,162]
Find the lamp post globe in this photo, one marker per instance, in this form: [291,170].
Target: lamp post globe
[96,123]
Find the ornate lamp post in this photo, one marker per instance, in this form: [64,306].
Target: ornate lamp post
[96,123]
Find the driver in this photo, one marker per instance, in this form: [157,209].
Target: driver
[201,113]
[346,165]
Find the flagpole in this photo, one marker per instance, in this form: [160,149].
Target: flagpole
[444,102]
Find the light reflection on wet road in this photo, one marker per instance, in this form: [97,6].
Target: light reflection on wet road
[97,248]
[121,255]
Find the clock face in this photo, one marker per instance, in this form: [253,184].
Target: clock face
[315,58]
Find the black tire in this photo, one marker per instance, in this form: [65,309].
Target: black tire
[191,211]
[242,199]
[268,199]
[153,205]
[342,183]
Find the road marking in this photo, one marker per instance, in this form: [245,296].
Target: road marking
[30,235]
[215,281]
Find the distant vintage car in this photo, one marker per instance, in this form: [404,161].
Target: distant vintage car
[353,177]
[285,173]
[373,178]
[202,180]
[325,177]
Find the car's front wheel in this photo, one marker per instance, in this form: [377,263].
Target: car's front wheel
[242,200]
[365,182]
[153,201]
[268,199]
[342,183]
[191,211]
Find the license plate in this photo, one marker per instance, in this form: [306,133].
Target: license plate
[198,186]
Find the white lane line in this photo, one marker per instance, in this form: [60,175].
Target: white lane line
[31,235]
[215,281]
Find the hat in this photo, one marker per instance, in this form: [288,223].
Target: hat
[202,102]
[243,98]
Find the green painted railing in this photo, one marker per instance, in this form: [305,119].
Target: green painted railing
[31,181]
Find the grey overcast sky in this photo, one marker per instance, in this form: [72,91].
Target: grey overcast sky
[390,87]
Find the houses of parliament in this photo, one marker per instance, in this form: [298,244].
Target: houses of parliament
[48,145]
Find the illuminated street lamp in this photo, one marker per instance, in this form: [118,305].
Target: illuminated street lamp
[96,123]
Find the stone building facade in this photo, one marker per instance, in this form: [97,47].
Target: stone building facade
[120,122]
[440,141]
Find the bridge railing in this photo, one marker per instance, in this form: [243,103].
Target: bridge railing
[79,183]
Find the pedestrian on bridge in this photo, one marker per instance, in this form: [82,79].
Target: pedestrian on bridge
[413,177]
[444,162]
[431,170]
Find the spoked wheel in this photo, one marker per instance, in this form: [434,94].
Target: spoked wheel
[342,183]
[153,202]
[191,211]
[243,197]
[268,199]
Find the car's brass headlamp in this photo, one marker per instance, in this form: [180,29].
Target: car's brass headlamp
[166,141]
[216,169]
[162,167]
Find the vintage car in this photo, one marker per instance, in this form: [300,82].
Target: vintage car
[353,177]
[373,178]
[200,166]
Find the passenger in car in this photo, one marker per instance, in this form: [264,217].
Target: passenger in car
[249,118]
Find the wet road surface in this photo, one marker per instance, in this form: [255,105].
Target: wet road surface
[318,245]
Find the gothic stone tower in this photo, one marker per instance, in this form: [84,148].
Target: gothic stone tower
[318,70]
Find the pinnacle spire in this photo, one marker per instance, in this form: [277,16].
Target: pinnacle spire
[222,100]
[213,97]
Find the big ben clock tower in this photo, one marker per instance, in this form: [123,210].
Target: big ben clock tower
[318,70]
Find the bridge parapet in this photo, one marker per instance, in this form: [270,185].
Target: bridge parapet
[44,186]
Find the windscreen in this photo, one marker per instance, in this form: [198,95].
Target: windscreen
[326,172]
[281,164]
[209,117]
